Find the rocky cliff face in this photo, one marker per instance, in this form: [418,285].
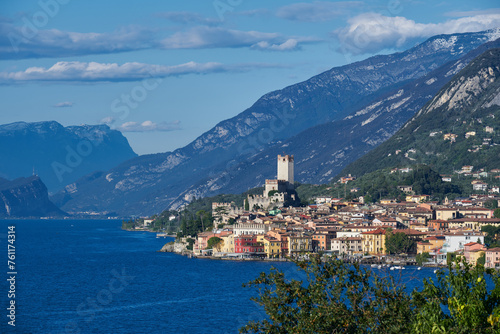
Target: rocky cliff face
[152,183]
[26,197]
[60,155]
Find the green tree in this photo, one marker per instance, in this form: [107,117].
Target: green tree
[190,242]
[421,258]
[219,212]
[481,260]
[492,233]
[450,258]
[496,213]
[396,243]
[335,298]
[339,298]
[247,206]
[214,242]
[491,204]
[271,193]
[459,302]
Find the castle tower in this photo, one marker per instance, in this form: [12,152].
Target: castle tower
[285,168]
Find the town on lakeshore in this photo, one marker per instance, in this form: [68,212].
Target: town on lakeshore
[273,226]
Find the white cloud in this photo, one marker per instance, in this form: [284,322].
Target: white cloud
[20,42]
[212,37]
[317,10]
[107,120]
[66,104]
[373,32]
[149,126]
[218,37]
[113,72]
[290,44]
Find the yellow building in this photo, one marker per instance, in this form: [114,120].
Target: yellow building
[373,242]
[299,243]
[474,256]
[473,223]
[272,247]
[417,198]
[430,243]
[227,244]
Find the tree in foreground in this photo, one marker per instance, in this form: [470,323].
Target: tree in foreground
[344,298]
[459,302]
[337,298]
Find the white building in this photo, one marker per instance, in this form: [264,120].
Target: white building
[347,245]
[252,228]
[455,242]
[348,234]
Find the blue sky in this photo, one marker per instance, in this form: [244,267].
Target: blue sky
[164,72]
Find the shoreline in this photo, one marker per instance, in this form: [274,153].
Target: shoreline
[396,262]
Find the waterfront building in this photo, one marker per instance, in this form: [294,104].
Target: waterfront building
[321,239]
[430,244]
[248,244]
[373,241]
[299,243]
[272,247]
[455,241]
[492,258]
[473,251]
[347,245]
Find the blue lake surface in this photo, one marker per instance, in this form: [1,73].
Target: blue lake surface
[91,277]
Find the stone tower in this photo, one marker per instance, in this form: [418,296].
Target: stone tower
[285,168]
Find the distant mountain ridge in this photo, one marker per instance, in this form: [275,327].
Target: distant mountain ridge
[149,184]
[60,155]
[324,150]
[459,126]
[26,197]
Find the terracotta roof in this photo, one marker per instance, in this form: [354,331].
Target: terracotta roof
[409,232]
[471,243]
[435,237]
[377,231]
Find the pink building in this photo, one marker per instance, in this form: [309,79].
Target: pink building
[493,258]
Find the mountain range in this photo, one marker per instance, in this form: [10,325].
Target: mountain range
[59,155]
[355,108]
[459,126]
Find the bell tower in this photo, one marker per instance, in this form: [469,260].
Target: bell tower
[285,168]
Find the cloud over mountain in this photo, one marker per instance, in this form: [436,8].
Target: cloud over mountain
[149,126]
[373,32]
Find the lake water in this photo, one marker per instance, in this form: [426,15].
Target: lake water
[92,277]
